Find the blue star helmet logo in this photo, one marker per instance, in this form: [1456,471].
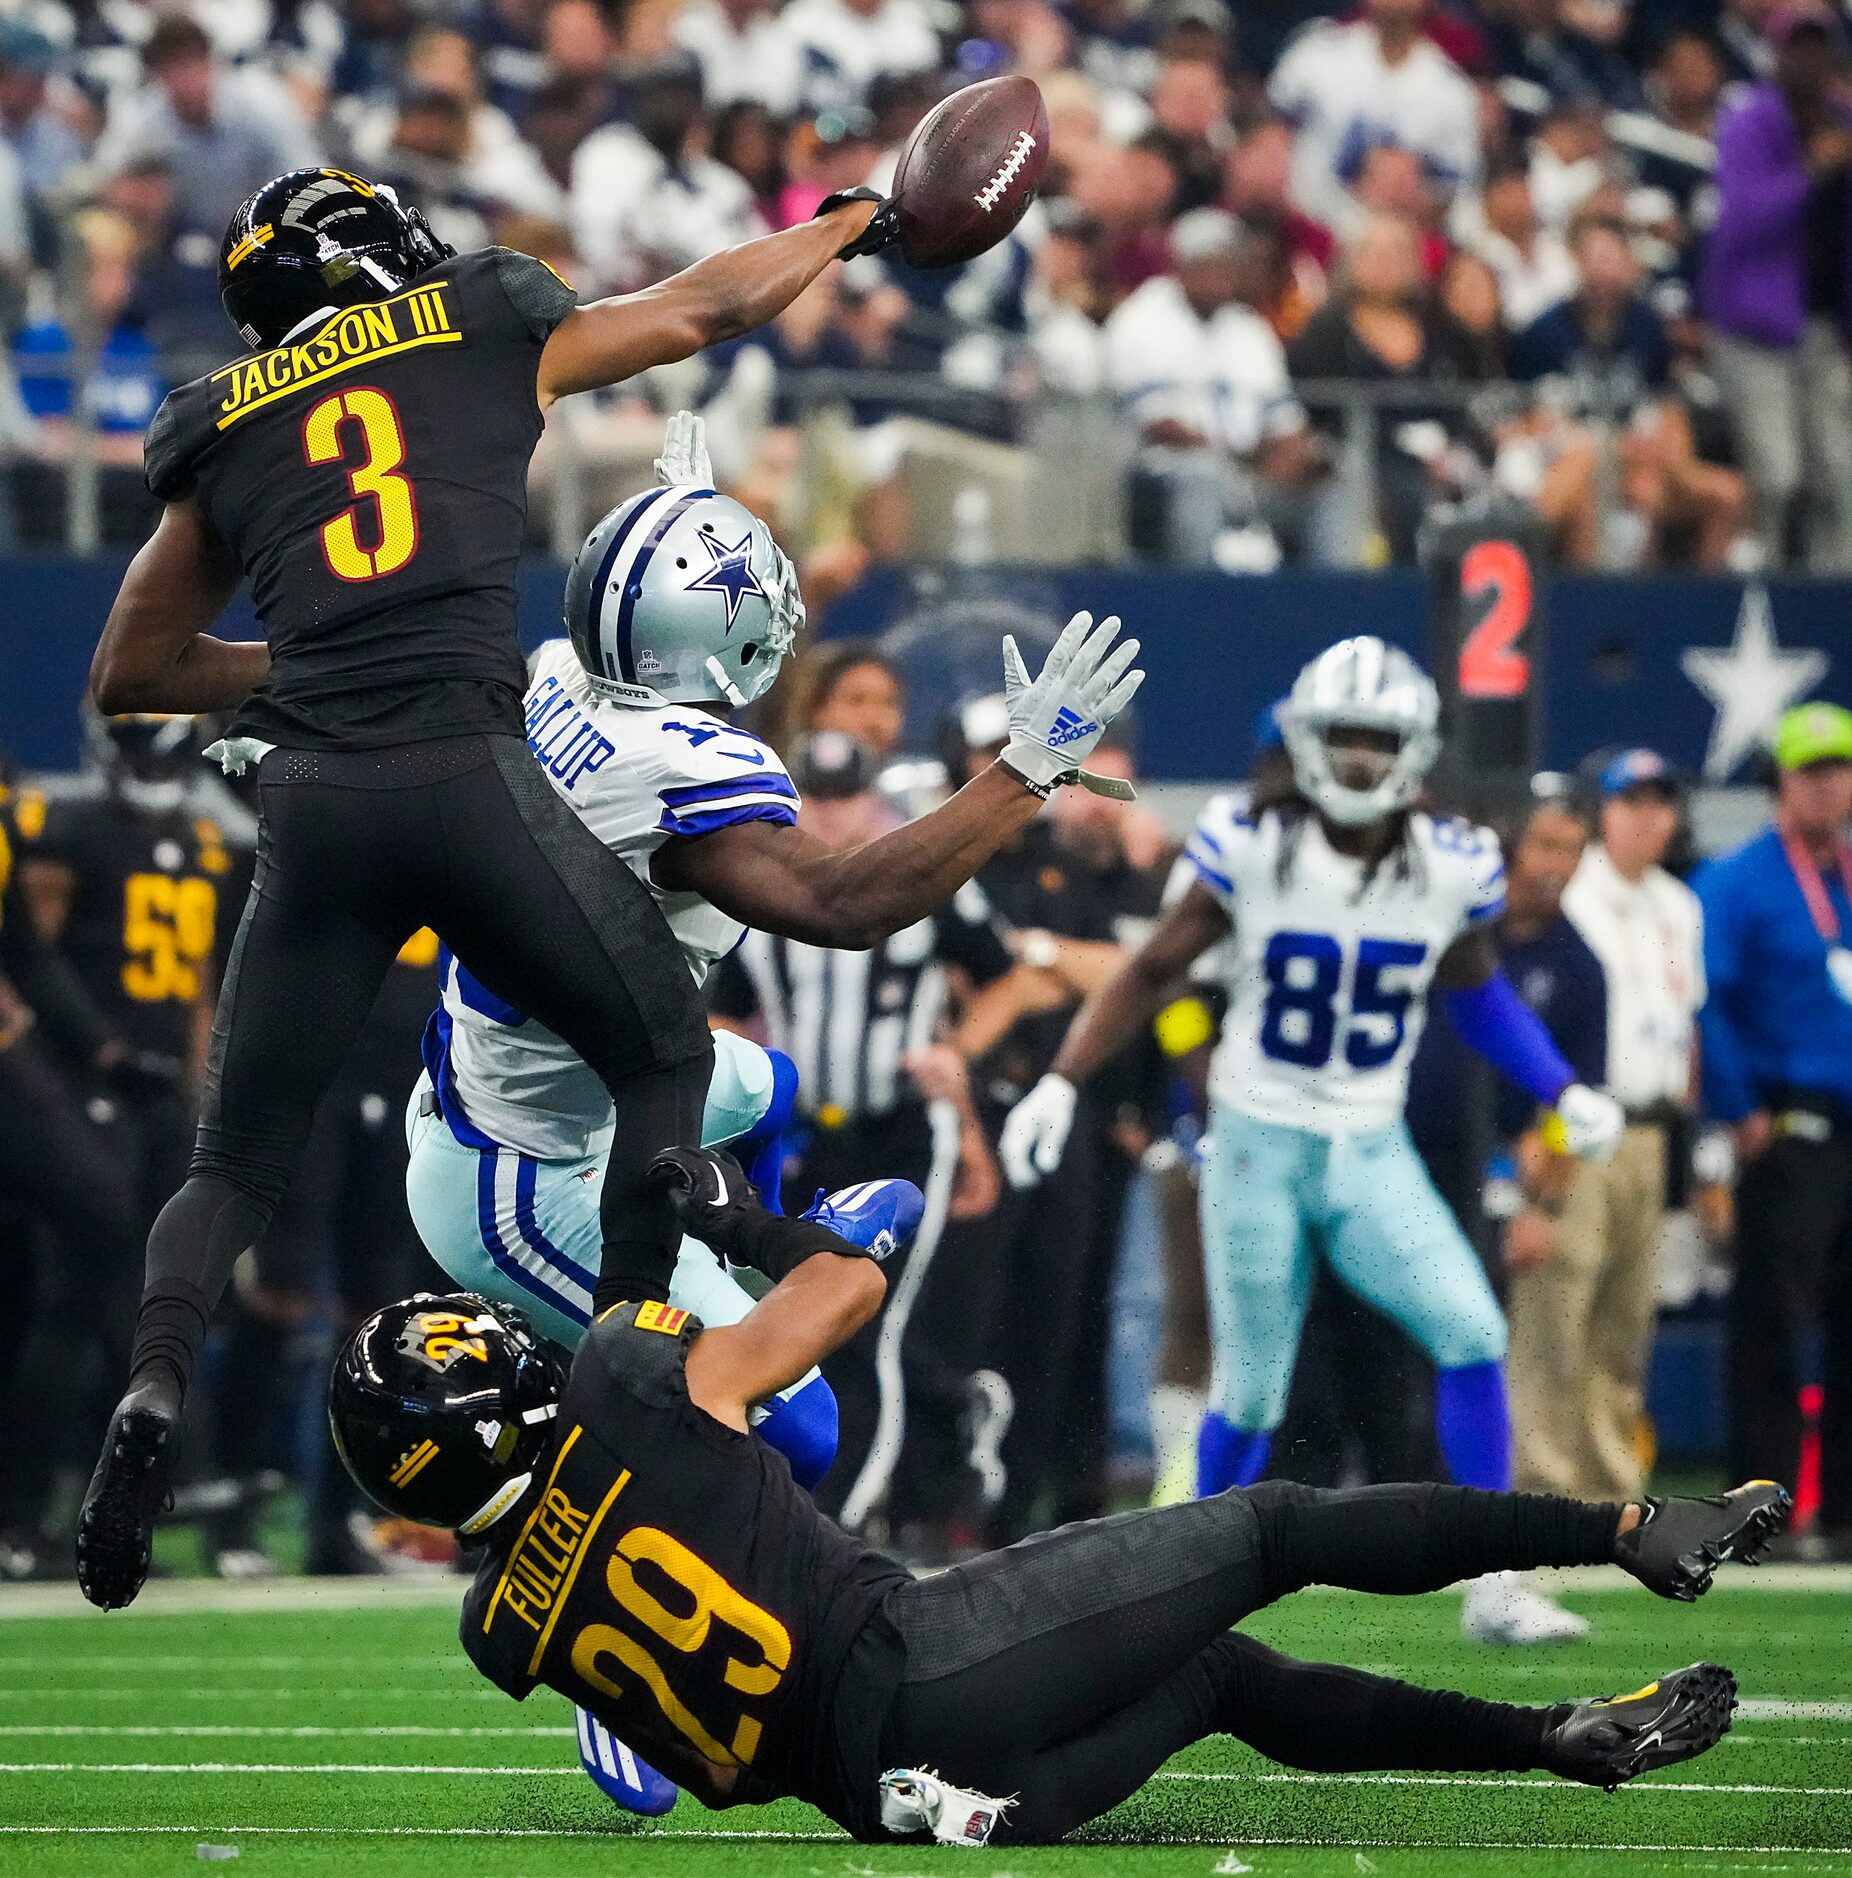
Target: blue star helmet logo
[730,573]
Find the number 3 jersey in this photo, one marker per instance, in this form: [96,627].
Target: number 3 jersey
[667,1574]
[636,775]
[369,477]
[1330,961]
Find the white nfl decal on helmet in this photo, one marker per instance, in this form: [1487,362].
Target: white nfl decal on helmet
[680,595]
[1362,684]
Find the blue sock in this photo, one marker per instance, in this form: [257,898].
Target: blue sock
[1473,1424]
[803,1428]
[761,1149]
[1227,1456]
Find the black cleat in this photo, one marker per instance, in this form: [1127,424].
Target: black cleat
[1675,1719]
[115,1530]
[1679,1543]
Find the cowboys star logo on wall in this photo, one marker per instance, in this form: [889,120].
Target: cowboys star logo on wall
[1750,682]
[729,573]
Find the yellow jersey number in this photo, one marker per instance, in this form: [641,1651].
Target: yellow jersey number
[167,928]
[394,525]
[703,1599]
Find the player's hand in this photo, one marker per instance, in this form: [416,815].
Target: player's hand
[1589,1124]
[684,456]
[1035,1131]
[1057,718]
[883,229]
[710,1196]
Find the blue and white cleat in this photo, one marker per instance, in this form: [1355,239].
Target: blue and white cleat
[623,1778]
[880,1216]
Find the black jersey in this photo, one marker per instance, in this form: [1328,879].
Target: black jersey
[147,900]
[370,476]
[672,1578]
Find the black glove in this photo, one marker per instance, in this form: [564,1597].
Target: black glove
[880,233]
[714,1202]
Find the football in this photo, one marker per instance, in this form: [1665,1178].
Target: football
[970,170]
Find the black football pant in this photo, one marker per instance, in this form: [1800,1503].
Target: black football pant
[357,850]
[1068,1668]
[75,1201]
[1793,1272]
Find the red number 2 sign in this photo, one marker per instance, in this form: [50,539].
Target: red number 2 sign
[1490,665]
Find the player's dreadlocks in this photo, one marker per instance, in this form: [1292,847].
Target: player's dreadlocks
[1279,794]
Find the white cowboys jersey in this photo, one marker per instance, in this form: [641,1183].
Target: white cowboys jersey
[635,775]
[1328,977]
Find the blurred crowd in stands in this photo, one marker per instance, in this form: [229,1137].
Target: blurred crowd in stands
[1311,271]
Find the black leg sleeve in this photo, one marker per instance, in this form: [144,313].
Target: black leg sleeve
[1420,1537]
[1315,1716]
[1327,1719]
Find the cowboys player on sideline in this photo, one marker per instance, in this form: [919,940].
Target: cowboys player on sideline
[680,608]
[364,466]
[651,1559]
[1345,903]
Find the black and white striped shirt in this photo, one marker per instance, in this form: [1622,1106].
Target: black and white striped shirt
[848,1018]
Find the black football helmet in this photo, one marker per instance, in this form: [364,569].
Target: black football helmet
[441,1408]
[314,239]
[148,757]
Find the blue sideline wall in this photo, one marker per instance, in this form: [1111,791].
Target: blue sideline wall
[1218,648]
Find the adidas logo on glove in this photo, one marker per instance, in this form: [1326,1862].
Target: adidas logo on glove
[1067,727]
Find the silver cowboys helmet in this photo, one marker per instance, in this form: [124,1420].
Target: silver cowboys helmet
[681,596]
[1361,684]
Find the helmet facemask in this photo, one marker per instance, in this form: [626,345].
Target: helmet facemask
[1361,730]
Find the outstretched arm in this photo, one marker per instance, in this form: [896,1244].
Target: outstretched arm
[154,654]
[720,298]
[782,880]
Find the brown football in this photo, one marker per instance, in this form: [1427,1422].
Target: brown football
[970,170]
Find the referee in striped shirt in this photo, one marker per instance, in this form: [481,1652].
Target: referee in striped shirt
[859,1025]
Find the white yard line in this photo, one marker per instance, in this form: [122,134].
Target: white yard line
[64,1730]
[225,1833]
[479,1772]
[212,1596]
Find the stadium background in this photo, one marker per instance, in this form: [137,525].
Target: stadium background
[924,444]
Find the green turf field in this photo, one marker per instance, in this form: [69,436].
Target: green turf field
[357,1742]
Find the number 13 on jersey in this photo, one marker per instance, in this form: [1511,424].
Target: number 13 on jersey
[390,536]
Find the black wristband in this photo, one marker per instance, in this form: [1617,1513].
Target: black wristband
[778,1246]
[883,229]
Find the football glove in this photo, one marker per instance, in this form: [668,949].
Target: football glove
[880,233]
[1035,1131]
[1057,718]
[1586,1123]
[684,453]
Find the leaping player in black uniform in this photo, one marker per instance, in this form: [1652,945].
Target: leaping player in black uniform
[364,466]
[653,1561]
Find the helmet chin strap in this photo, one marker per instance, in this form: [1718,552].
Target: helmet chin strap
[496,1505]
[728,689]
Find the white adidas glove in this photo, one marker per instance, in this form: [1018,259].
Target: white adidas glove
[1056,719]
[1588,1124]
[1035,1131]
[684,456]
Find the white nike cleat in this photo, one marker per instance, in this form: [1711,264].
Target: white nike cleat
[914,1799]
[1502,1608]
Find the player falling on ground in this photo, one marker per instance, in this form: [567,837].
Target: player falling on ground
[365,467]
[680,608]
[659,1567]
[1345,903]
